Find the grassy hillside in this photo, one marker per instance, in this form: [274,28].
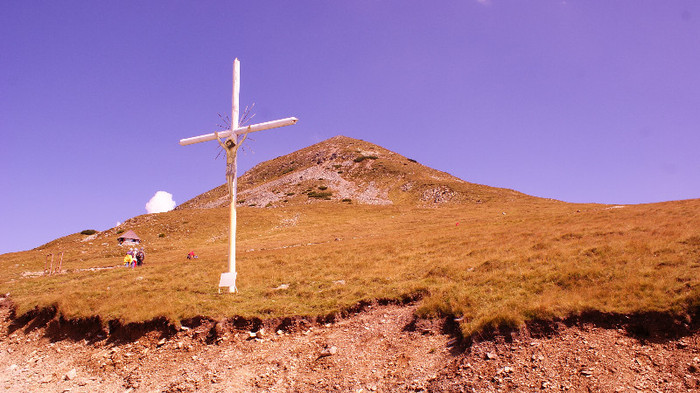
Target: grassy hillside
[488,263]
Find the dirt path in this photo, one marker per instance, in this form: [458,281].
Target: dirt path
[380,349]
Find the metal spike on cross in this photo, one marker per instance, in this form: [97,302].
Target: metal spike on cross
[231,145]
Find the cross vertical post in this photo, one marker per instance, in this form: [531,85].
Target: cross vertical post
[231,145]
[235,114]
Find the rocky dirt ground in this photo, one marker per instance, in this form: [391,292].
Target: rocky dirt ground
[382,348]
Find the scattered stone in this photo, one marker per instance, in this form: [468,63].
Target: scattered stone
[339,282]
[280,332]
[328,352]
[586,373]
[490,356]
[12,367]
[70,375]
[417,385]
[220,329]
[504,370]
[161,342]
[282,286]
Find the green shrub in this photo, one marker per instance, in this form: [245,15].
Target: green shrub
[412,160]
[120,231]
[362,158]
[320,195]
[161,235]
[322,188]
[88,232]
[347,200]
[288,170]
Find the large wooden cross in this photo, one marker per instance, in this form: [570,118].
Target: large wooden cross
[231,145]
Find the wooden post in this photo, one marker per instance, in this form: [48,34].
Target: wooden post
[235,117]
[48,267]
[60,264]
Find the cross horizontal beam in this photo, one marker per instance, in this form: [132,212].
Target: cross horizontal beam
[241,130]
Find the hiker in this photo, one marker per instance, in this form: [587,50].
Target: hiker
[140,256]
[191,255]
[127,260]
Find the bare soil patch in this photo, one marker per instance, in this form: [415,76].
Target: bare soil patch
[382,348]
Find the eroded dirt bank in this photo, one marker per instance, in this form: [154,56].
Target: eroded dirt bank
[380,349]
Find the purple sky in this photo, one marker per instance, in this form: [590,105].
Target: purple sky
[583,101]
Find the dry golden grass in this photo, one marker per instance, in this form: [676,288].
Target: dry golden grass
[540,259]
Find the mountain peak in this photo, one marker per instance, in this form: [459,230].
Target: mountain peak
[347,170]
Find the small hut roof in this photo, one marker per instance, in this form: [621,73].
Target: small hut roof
[129,235]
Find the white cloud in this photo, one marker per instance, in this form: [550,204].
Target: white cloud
[161,202]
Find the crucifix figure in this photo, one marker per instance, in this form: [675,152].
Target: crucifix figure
[234,138]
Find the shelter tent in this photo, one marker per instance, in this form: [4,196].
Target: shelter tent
[129,238]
